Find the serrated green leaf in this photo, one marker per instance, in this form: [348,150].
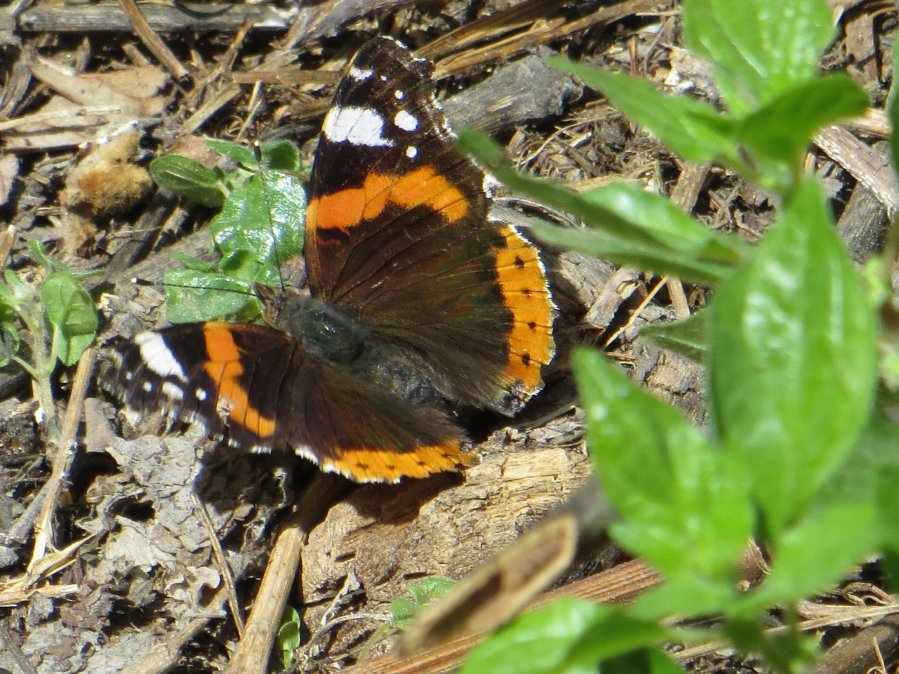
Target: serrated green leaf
[189,179]
[694,130]
[688,337]
[537,642]
[760,48]
[71,313]
[782,129]
[684,506]
[194,263]
[265,215]
[239,153]
[793,358]
[193,296]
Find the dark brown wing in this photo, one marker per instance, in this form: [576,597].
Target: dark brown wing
[256,387]
[397,233]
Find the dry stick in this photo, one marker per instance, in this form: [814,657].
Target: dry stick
[152,41]
[43,528]
[61,115]
[256,644]
[315,21]
[467,35]
[865,164]
[684,195]
[7,238]
[224,569]
[636,313]
[108,16]
[506,48]
[619,584]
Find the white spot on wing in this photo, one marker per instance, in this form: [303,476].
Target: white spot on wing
[147,386]
[201,394]
[157,356]
[360,74]
[398,94]
[357,126]
[172,391]
[411,151]
[405,121]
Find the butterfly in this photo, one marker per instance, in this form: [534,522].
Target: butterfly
[418,303]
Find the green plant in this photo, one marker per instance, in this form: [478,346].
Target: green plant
[800,454]
[59,316]
[403,611]
[259,225]
[290,636]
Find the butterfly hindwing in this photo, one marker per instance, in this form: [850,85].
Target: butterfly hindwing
[259,389]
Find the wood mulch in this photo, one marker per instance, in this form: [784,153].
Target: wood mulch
[146,553]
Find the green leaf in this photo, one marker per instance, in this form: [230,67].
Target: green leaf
[685,593]
[36,248]
[280,155]
[793,358]
[760,48]
[16,292]
[684,507]
[234,151]
[694,130]
[814,554]
[687,337]
[290,635]
[783,128]
[644,661]
[264,215]
[193,296]
[612,634]
[9,334]
[428,589]
[189,179]
[423,592]
[675,244]
[537,642]
[71,313]
[194,263]
[656,217]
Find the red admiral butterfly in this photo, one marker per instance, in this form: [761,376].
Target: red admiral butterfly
[417,297]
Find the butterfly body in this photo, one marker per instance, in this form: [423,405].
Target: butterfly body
[417,298]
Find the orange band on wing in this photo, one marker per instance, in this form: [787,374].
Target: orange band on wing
[349,207]
[224,368]
[374,465]
[523,284]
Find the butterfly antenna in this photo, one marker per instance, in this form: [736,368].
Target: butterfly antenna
[257,151]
